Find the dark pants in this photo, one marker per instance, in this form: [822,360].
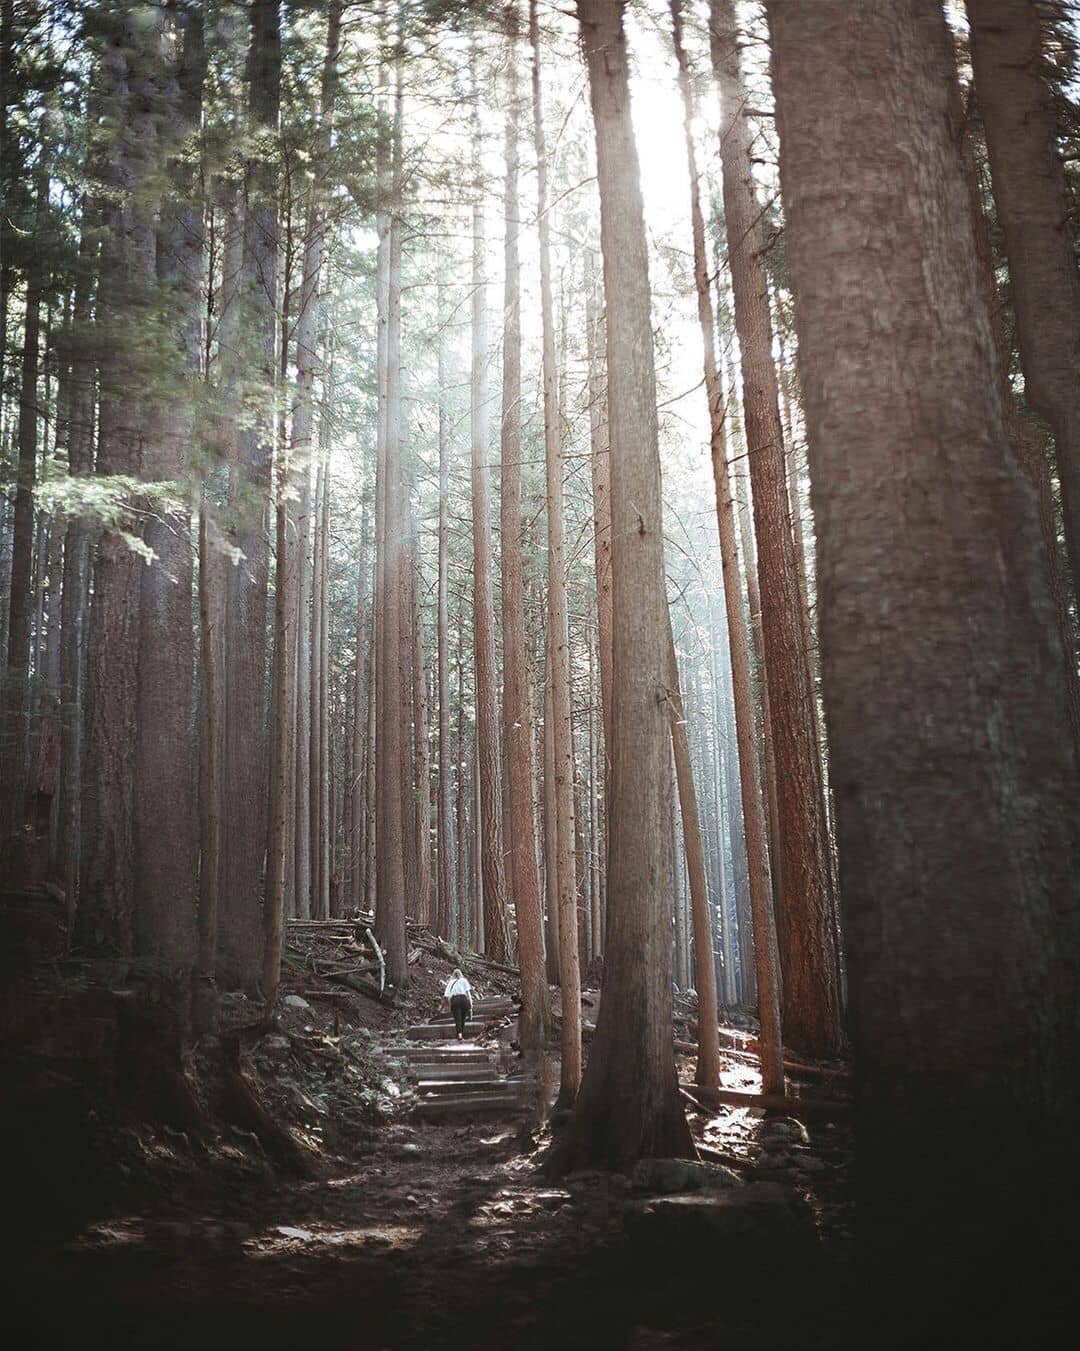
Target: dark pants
[460,1007]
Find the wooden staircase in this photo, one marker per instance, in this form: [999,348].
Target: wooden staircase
[456,1079]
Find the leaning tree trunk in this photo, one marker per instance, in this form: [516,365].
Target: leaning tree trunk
[562,747]
[1017,113]
[517,720]
[811,995]
[942,666]
[629,1105]
[764,930]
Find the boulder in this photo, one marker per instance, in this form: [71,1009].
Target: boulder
[667,1176]
[294,1001]
[751,1221]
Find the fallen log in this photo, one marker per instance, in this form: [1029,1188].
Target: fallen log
[382,959]
[354,982]
[797,1067]
[767,1102]
[444,950]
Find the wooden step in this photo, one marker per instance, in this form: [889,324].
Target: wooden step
[424,1069]
[448,1053]
[469,1104]
[448,1087]
[443,1031]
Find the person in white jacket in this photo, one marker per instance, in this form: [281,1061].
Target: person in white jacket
[459,992]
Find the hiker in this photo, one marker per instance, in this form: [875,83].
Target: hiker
[459,992]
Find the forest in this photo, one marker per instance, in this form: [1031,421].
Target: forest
[540,671]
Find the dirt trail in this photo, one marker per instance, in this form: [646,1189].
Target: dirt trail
[415,1227]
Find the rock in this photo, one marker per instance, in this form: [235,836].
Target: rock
[785,1128]
[680,1175]
[294,1001]
[748,1222]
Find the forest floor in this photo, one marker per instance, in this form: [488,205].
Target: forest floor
[361,1221]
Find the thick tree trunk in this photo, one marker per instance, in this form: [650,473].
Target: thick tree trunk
[1029,193]
[131,72]
[942,666]
[562,748]
[246,758]
[811,996]
[496,938]
[629,1105]
[759,885]
[16,693]
[165,762]
[534,1015]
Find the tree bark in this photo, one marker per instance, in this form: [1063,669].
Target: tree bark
[246,758]
[811,1000]
[534,1015]
[629,1105]
[562,759]
[753,815]
[165,763]
[708,1058]
[130,72]
[1029,193]
[390,837]
[942,666]
[496,937]
[444,919]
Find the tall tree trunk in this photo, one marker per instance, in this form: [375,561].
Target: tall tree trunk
[274,908]
[358,797]
[600,462]
[942,666]
[753,816]
[80,431]
[496,937]
[551,833]
[708,1058]
[629,1105]
[811,998]
[131,72]
[246,759]
[321,902]
[534,1014]
[390,837]
[562,746]
[422,750]
[16,700]
[444,920]
[1029,193]
[165,763]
